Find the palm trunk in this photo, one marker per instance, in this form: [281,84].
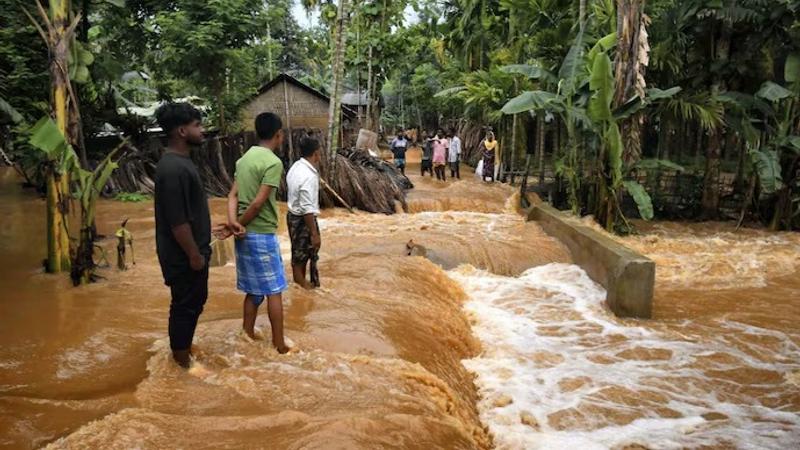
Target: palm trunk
[369,88]
[582,14]
[334,116]
[710,200]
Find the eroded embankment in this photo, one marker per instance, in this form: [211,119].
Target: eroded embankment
[379,347]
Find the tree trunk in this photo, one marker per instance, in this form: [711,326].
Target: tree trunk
[710,201]
[221,108]
[740,183]
[513,153]
[369,88]
[270,66]
[540,137]
[629,67]
[582,14]
[334,116]
[58,184]
[288,119]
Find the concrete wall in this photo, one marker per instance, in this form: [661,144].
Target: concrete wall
[628,276]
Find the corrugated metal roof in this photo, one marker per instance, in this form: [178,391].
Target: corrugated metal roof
[354,99]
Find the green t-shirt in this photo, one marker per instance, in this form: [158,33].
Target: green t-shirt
[259,166]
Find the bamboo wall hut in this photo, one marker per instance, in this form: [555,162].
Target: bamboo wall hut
[299,106]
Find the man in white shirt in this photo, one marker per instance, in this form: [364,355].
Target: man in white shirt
[302,184]
[454,155]
[399,146]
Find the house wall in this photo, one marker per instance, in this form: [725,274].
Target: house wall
[306,110]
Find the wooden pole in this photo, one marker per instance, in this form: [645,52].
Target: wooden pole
[288,119]
[335,194]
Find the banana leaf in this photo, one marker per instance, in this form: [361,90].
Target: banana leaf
[530,71]
[572,65]
[530,100]
[603,45]
[9,111]
[614,140]
[450,91]
[768,168]
[791,73]
[654,164]
[641,197]
[46,137]
[602,85]
[773,92]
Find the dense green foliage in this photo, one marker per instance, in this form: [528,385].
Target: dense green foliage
[708,90]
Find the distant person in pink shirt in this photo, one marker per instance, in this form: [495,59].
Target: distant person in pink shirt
[440,146]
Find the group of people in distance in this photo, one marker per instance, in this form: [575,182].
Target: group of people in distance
[183,224]
[442,149]
[438,151]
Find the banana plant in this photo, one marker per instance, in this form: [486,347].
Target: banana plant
[596,115]
[560,96]
[777,161]
[87,187]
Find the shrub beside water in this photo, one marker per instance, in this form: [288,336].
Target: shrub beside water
[133,197]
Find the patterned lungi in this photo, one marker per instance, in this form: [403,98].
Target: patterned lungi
[300,235]
[259,265]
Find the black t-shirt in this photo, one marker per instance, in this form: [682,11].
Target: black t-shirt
[179,198]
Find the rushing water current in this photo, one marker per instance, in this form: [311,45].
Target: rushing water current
[493,340]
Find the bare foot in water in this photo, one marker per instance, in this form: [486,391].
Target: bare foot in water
[255,335]
[198,370]
[286,346]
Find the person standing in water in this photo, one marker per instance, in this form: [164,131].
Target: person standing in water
[426,163]
[302,183]
[253,218]
[399,146]
[489,145]
[440,145]
[183,226]
[454,155]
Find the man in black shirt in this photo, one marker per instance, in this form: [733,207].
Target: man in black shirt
[183,225]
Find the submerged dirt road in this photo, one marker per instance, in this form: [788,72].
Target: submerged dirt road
[495,341]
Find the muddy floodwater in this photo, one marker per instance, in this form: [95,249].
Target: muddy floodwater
[495,340]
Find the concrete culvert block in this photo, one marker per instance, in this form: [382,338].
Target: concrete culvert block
[627,276]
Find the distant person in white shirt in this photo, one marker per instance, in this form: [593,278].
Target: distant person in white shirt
[454,155]
[302,183]
[399,146]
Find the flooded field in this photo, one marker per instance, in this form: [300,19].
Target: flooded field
[493,340]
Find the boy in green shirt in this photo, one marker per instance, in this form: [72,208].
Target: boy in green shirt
[253,218]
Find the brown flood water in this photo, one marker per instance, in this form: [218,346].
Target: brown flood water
[495,341]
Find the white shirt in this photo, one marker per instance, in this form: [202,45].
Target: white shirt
[302,183]
[455,150]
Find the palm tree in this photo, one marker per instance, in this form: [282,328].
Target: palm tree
[334,115]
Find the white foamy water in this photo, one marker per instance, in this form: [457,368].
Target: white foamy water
[560,371]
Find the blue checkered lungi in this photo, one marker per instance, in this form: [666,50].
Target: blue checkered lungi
[259,265]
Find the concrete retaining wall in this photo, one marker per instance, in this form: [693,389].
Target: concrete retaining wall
[627,275]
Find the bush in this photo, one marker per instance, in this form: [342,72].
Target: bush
[132,197]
